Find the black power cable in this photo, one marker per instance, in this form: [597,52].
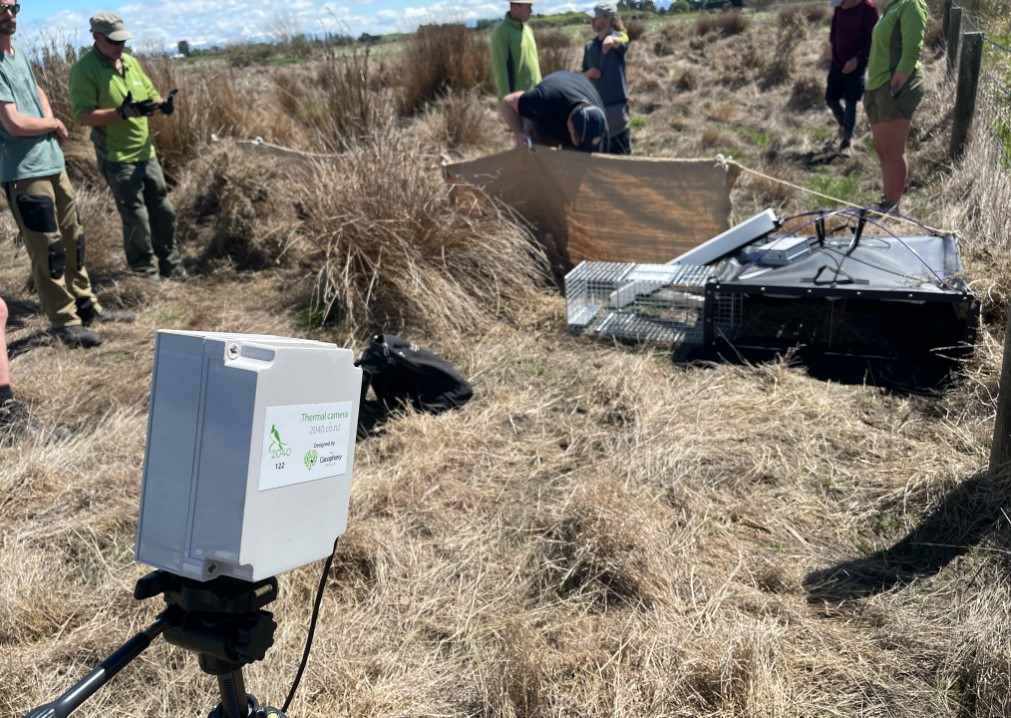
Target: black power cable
[312,627]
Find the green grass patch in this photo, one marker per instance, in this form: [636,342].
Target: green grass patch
[637,122]
[822,134]
[758,139]
[842,187]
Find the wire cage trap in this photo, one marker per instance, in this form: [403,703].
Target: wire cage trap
[640,302]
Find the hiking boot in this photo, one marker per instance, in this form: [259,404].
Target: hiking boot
[844,144]
[179,275]
[16,424]
[109,315]
[76,336]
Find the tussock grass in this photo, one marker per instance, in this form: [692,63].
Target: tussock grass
[396,251]
[440,58]
[341,100]
[555,51]
[728,23]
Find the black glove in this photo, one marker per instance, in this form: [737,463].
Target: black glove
[145,108]
[168,105]
[125,111]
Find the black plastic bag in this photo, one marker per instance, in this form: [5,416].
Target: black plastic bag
[403,373]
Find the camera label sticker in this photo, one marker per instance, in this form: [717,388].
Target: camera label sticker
[305,443]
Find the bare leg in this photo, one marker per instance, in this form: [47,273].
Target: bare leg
[890,145]
[5,375]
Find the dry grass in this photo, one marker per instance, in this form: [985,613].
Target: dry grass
[555,51]
[438,59]
[600,532]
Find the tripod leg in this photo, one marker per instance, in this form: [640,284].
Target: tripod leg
[62,706]
[233,694]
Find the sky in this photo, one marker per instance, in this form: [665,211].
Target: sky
[161,24]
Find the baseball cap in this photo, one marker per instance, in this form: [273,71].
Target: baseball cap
[591,128]
[835,3]
[110,25]
[603,9]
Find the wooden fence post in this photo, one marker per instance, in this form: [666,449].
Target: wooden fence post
[954,31]
[965,95]
[999,449]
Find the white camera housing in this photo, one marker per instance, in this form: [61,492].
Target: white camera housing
[250,446]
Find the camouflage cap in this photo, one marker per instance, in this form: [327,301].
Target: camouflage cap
[110,25]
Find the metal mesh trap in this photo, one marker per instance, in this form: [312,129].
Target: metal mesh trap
[656,302]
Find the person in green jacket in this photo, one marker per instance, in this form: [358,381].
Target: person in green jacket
[111,94]
[894,90]
[514,51]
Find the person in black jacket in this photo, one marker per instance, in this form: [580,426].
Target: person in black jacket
[564,110]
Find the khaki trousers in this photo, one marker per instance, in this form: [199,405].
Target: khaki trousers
[46,213]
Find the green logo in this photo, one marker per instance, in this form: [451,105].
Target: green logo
[311,457]
[277,447]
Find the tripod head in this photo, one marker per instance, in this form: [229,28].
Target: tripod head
[222,621]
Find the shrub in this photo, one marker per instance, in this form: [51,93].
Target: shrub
[807,93]
[635,29]
[554,51]
[245,54]
[239,205]
[724,23]
[440,58]
[813,13]
[671,40]
[391,250]
[789,37]
[51,63]
[208,104]
[338,103]
[463,122]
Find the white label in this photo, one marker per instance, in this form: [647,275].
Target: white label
[304,443]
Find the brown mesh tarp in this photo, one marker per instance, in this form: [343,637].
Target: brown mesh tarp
[601,207]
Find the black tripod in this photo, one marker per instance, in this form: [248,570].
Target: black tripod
[221,620]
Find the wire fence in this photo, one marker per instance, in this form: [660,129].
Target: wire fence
[993,98]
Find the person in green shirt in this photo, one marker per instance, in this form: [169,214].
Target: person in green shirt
[894,90]
[514,60]
[111,94]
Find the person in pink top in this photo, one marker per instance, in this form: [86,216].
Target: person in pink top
[850,38]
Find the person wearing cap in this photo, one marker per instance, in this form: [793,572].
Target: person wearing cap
[895,88]
[111,94]
[604,66]
[564,109]
[850,39]
[41,198]
[514,60]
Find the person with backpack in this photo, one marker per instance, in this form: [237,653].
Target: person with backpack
[514,61]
